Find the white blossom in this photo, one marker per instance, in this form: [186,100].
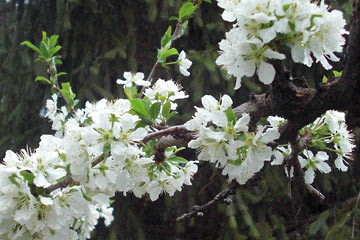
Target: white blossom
[184,64]
[133,78]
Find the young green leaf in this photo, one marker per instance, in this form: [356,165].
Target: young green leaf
[28,176]
[337,74]
[186,10]
[128,93]
[31,46]
[44,35]
[53,40]
[106,148]
[139,107]
[177,159]
[155,110]
[173,18]
[166,109]
[54,50]
[42,79]
[166,38]
[61,74]
[44,49]
[68,93]
[324,79]
[164,53]
[230,115]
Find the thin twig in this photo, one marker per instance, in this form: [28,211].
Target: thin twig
[292,160]
[175,36]
[221,196]
[62,184]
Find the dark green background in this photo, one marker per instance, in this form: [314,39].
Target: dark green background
[102,39]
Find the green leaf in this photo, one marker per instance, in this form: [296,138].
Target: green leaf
[292,25]
[171,114]
[177,159]
[166,38]
[337,74]
[164,53]
[166,109]
[186,10]
[324,79]
[286,7]
[155,110]
[139,107]
[31,46]
[54,50]
[208,1]
[68,93]
[42,79]
[230,115]
[86,196]
[53,40]
[128,93]
[13,181]
[44,50]
[166,167]
[107,148]
[61,74]
[44,35]
[28,176]
[173,18]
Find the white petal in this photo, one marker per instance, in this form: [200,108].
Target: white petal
[46,201]
[266,73]
[209,102]
[219,118]
[309,176]
[228,16]
[226,102]
[323,167]
[242,123]
[339,163]
[279,158]
[238,83]
[322,156]
[41,181]
[267,34]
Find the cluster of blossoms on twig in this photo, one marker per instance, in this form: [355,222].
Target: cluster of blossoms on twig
[262,27]
[99,150]
[329,133]
[61,189]
[227,141]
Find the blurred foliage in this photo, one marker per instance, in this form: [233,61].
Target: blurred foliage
[103,38]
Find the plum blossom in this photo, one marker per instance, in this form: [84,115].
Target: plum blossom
[133,78]
[308,28]
[228,143]
[312,163]
[184,64]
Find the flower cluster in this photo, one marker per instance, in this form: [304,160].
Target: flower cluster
[98,152]
[263,26]
[328,133]
[227,142]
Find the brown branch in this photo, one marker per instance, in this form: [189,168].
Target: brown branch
[62,184]
[179,130]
